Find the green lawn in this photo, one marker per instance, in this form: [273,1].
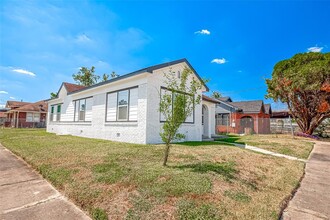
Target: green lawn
[127,181]
[280,143]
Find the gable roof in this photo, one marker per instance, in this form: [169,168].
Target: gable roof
[15,104]
[70,87]
[268,109]
[149,69]
[249,106]
[209,99]
[225,99]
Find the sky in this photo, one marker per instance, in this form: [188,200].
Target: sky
[234,44]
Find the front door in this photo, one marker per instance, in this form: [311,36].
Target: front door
[205,121]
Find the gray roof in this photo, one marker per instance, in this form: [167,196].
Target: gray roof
[225,99]
[149,69]
[268,109]
[249,106]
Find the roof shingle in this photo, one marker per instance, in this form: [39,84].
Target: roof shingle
[40,106]
[249,106]
[72,87]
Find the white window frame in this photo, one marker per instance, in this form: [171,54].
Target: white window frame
[78,112]
[117,105]
[173,94]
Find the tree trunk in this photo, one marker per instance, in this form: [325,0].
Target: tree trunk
[167,151]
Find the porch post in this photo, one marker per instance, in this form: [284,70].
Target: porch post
[17,117]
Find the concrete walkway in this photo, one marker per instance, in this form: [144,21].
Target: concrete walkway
[312,200]
[263,151]
[24,194]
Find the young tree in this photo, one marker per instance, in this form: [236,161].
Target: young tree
[176,104]
[216,94]
[303,82]
[86,77]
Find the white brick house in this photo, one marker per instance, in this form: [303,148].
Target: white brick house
[126,108]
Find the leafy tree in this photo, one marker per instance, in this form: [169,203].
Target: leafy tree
[105,77]
[216,94]
[303,83]
[176,105]
[114,75]
[86,77]
[53,95]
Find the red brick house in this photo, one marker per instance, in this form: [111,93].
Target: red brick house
[242,117]
[26,114]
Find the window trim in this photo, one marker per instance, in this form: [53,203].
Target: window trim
[128,105]
[160,97]
[51,116]
[75,109]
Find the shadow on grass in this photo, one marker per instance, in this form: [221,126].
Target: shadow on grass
[232,139]
[225,169]
[200,143]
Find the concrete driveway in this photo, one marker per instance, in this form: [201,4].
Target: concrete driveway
[24,194]
[312,200]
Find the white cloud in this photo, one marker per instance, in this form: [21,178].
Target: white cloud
[12,97]
[315,49]
[83,38]
[204,31]
[24,72]
[219,61]
[3,92]
[2,105]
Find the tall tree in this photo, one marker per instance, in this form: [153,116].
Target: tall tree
[176,105]
[105,77]
[114,75]
[303,82]
[86,77]
[216,94]
[53,95]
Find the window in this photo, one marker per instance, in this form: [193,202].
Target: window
[53,116]
[58,115]
[32,117]
[179,74]
[182,97]
[36,117]
[29,117]
[122,105]
[222,119]
[83,109]
[52,113]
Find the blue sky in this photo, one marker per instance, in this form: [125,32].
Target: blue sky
[42,43]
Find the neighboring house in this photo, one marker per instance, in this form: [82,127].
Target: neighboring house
[26,114]
[126,108]
[242,117]
[2,118]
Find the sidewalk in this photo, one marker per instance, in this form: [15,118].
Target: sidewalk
[24,194]
[312,200]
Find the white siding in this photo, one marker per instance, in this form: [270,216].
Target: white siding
[112,107]
[76,111]
[133,104]
[89,105]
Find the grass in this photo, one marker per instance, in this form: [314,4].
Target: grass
[127,181]
[280,143]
